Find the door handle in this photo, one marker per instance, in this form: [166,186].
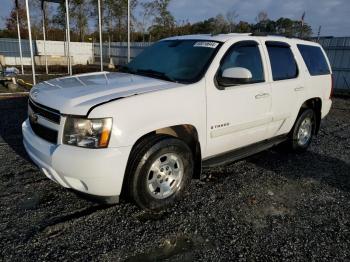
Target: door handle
[300,88]
[263,95]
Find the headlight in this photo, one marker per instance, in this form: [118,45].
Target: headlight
[91,133]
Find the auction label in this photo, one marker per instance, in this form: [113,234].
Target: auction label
[206,44]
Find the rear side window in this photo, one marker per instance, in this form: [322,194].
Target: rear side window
[282,61]
[314,59]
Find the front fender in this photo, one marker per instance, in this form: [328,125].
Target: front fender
[135,116]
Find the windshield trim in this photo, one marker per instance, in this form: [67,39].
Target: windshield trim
[181,81]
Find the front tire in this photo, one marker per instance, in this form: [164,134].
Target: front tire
[303,131]
[160,169]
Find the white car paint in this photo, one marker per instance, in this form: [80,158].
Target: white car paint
[77,94]
[224,119]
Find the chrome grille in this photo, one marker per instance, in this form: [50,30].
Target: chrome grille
[36,111]
[44,132]
[52,115]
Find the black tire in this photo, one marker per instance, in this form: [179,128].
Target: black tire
[141,160]
[294,143]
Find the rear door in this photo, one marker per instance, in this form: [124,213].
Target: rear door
[286,84]
[318,80]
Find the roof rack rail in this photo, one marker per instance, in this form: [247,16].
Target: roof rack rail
[267,34]
[278,35]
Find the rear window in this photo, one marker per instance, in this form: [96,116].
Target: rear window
[314,59]
[282,61]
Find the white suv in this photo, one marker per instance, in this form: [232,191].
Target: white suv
[184,102]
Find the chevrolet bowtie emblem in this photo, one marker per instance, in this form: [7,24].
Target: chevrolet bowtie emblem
[33,117]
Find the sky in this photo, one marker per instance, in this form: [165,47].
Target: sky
[332,15]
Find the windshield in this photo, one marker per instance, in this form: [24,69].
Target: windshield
[183,61]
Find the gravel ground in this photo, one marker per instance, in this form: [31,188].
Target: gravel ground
[271,206]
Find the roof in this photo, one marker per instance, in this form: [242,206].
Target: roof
[209,37]
[231,36]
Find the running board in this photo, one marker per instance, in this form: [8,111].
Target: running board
[238,154]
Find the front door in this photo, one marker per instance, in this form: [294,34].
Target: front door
[238,114]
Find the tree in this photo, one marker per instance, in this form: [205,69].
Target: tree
[36,19]
[291,28]
[162,15]
[204,27]
[156,21]
[59,19]
[114,17]
[243,27]
[11,21]
[220,26]
[262,16]
[262,20]
[231,17]
[163,21]
[79,13]
[146,18]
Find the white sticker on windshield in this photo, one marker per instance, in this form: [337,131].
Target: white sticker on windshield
[206,44]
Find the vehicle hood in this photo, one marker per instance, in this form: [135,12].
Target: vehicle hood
[75,95]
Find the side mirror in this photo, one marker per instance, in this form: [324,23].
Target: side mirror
[235,76]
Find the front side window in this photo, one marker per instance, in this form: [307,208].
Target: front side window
[242,57]
[183,61]
[282,61]
[314,59]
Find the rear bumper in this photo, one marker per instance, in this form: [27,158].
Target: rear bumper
[97,172]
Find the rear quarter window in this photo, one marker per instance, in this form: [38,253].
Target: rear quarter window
[314,59]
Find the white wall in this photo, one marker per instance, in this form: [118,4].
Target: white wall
[10,60]
[81,53]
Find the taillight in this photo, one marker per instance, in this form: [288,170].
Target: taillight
[332,87]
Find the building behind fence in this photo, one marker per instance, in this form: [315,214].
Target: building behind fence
[338,51]
[337,48]
[118,51]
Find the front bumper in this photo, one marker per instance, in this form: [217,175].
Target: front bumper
[98,172]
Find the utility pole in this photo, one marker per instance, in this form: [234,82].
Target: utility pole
[100,28]
[129,31]
[30,42]
[44,34]
[19,38]
[68,39]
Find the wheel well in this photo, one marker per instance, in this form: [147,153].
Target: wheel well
[316,105]
[189,135]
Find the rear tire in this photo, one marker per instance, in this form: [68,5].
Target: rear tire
[303,131]
[159,171]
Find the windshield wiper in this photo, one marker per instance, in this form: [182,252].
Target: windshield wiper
[154,73]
